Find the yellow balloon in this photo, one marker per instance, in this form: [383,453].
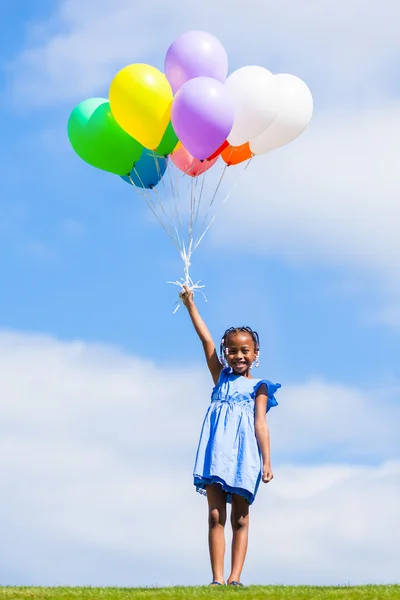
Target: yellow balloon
[140,101]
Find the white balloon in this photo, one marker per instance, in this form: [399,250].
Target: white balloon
[295,109]
[255,97]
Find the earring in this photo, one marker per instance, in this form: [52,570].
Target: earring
[257,361]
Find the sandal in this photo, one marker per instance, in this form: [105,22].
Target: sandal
[235,583]
[216,583]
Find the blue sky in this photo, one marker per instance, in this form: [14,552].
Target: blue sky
[306,251]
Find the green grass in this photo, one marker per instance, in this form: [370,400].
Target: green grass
[367,592]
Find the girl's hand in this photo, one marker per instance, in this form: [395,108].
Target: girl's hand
[267,474]
[186,296]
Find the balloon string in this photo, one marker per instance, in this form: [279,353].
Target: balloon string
[223,201]
[178,243]
[211,203]
[186,254]
[175,196]
[149,201]
[204,232]
[237,180]
[153,188]
[172,218]
[194,211]
[199,200]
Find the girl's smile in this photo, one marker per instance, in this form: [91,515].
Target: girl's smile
[241,353]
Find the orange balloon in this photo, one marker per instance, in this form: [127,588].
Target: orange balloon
[234,155]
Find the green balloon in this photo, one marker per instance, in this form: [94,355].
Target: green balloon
[168,142]
[98,139]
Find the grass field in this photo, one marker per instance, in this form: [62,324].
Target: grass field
[368,592]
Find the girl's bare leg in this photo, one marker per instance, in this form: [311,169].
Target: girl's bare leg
[216,529]
[240,530]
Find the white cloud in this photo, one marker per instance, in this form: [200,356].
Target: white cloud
[96,455]
[339,419]
[343,49]
[329,198]
[318,516]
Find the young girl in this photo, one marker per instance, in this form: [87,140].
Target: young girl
[234,449]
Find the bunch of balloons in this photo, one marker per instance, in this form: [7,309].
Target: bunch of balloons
[193,113]
[190,117]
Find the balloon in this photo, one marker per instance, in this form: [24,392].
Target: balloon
[202,115]
[218,151]
[169,141]
[255,97]
[98,139]
[148,171]
[140,100]
[234,155]
[195,54]
[190,165]
[294,114]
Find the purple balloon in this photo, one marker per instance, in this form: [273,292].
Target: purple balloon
[202,115]
[195,54]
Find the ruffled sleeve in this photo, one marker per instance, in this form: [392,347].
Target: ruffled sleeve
[271,388]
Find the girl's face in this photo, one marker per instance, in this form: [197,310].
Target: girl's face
[240,352]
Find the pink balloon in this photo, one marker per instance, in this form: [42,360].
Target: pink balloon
[190,165]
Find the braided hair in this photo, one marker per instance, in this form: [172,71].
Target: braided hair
[228,332]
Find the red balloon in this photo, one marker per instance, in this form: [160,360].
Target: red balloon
[218,151]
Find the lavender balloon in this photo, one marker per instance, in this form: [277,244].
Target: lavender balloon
[202,115]
[195,54]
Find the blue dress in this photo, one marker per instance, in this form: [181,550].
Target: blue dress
[228,451]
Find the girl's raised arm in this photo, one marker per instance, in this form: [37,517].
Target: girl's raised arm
[202,331]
